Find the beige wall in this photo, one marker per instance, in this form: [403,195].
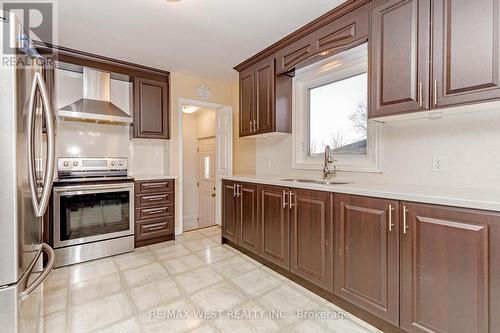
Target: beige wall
[205,123]
[189,156]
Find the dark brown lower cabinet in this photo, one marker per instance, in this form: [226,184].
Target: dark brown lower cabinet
[420,267]
[229,211]
[247,217]
[274,225]
[450,270]
[154,211]
[367,254]
[311,236]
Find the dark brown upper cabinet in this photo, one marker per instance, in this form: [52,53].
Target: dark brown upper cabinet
[247,217]
[450,277]
[258,112]
[399,42]
[336,36]
[264,97]
[229,211]
[466,57]
[367,254]
[151,109]
[311,236]
[247,101]
[274,225]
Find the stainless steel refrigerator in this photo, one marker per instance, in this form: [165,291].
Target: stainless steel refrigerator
[26,176]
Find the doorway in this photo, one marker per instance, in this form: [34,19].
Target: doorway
[205,157]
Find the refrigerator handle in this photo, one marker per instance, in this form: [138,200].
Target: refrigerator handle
[41,206]
[50,264]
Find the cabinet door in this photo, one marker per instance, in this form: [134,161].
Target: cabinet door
[466,54]
[367,254]
[274,225]
[229,212]
[247,217]
[400,57]
[151,109]
[247,89]
[264,93]
[311,236]
[444,270]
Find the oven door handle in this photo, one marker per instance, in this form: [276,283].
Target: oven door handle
[86,189]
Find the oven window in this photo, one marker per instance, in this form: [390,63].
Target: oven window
[94,214]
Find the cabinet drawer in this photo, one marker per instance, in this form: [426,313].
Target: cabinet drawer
[154,187]
[154,212]
[153,229]
[149,200]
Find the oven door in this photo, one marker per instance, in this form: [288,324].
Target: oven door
[90,213]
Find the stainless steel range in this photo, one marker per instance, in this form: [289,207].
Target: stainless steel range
[93,214]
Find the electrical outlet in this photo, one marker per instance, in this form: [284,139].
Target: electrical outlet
[438,164]
[267,163]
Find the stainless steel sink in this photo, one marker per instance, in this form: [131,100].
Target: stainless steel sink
[312,181]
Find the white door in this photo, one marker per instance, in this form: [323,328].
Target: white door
[206,183]
[223,151]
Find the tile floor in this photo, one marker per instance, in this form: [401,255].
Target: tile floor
[191,285]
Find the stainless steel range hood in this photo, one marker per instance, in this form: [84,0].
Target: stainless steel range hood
[95,106]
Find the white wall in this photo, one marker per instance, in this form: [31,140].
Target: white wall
[467,142]
[76,139]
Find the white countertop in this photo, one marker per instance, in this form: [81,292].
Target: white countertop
[448,196]
[151,176]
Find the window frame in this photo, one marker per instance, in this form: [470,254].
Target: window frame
[338,67]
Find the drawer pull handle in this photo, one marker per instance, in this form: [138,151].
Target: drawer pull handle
[154,211]
[154,185]
[156,228]
[155,198]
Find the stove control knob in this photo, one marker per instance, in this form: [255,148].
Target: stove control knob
[113,163]
[66,163]
[75,163]
[121,163]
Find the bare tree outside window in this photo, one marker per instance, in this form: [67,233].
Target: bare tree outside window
[339,116]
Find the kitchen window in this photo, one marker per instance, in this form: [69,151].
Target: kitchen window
[331,108]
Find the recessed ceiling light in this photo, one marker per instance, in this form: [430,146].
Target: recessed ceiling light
[190,109]
[173,0]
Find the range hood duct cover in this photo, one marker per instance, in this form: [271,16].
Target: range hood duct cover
[96,102]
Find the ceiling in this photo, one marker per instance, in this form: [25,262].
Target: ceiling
[205,38]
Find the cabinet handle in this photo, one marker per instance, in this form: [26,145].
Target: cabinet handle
[390,218]
[251,126]
[156,228]
[420,94]
[435,92]
[238,190]
[155,198]
[256,125]
[234,190]
[290,200]
[154,211]
[154,185]
[284,199]
[405,225]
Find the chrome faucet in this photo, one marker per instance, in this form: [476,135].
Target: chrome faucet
[327,171]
